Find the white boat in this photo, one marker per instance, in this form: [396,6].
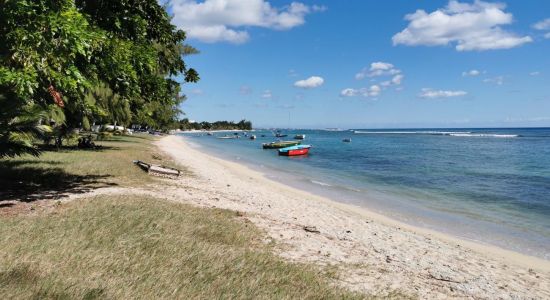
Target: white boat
[300,137]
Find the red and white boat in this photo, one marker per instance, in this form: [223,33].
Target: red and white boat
[295,150]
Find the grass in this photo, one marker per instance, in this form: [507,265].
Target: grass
[78,171]
[141,247]
[128,246]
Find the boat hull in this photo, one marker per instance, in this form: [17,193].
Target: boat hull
[279,145]
[296,152]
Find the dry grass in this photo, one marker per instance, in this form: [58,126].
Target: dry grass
[140,247]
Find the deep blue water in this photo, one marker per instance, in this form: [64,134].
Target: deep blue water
[489,185]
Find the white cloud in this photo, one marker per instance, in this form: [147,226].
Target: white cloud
[391,75]
[547,35]
[542,25]
[226,20]
[377,69]
[397,79]
[267,94]
[311,82]
[471,26]
[471,73]
[536,73]
[429,93]
[349,92]
[499,80]
[372,91]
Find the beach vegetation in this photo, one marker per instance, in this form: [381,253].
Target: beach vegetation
[93,61]
[186,124]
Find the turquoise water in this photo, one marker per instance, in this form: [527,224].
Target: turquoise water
[488,185]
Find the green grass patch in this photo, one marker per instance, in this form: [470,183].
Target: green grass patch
[79,170]
[141,247]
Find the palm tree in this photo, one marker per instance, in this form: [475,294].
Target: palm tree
[116,108]
[20,127]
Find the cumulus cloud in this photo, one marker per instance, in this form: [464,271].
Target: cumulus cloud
[226,20]
[311,82]
[377,69]
[384,70]
[471,73]
[498,80]
[536,73]
[428,93]
[397,79]
[471,26]
[542,25]
[372,91]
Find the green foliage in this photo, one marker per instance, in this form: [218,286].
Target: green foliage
[19,126]
[219,125]
[111,61]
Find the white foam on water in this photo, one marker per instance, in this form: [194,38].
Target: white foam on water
[484,135]
[413,132]
[319,183]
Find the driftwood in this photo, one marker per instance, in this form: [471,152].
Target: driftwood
[157,170]
[312,229]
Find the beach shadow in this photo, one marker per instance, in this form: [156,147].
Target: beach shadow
[65,149]
[23,181]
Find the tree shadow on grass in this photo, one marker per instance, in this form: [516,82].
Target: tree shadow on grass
[64,149]
[21,181]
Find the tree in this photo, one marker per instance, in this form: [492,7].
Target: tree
[61,52]
[148,50]
[19,126]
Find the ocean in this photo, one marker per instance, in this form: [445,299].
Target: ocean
[486,185]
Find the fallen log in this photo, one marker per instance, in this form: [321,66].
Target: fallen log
[158,170]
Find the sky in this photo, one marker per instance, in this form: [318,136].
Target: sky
[368,64]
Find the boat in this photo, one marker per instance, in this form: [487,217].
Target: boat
[280,144]
[279,135]
[252,137]
[295,150]
[300,137]
[348,140]
[209,133]
[228,137]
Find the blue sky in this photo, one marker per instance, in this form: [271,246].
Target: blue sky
[369,64]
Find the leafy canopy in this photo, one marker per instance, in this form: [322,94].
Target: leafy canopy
[82,49]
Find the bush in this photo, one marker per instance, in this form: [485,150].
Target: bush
[104,135]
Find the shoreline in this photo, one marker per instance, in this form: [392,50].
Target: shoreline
[355,235]
[440,219]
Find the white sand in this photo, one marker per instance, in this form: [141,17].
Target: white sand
[376,254]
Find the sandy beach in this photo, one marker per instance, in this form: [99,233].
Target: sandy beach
[375,254]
